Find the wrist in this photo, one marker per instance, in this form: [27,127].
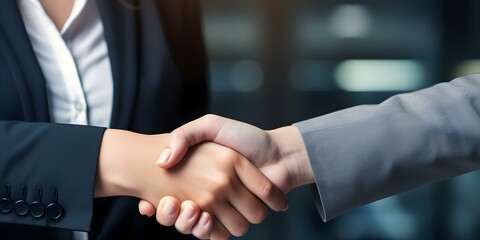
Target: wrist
[293,154]
[122,156]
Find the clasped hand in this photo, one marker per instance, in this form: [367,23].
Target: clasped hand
[226,186]
[279,154]
[223,183]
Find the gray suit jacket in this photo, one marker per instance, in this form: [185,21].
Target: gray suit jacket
[366,153]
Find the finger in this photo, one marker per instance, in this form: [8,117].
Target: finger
[250,206]
[194,132]
[188,217]
[203,227]
[233,221]
[219,232]
[260,185]
[145,208]
[167,211]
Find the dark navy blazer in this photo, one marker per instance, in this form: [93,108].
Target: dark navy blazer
[159,71]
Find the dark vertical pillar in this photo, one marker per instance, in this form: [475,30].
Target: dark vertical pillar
[277,30]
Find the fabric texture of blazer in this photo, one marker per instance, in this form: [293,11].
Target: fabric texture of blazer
[365,153]
[159,70]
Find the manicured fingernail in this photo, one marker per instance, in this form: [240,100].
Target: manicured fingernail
[203,220]
[140,210]
[164,156]
[168,208]
[188,212]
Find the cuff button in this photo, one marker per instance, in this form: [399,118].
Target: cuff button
[54,211]
[21,208]
[37,209]
[6,205]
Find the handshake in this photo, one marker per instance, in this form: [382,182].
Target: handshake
[226,173]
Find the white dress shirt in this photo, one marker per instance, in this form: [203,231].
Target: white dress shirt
[75,63]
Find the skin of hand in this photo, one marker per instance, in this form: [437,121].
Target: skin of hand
[216,178]
[280,153]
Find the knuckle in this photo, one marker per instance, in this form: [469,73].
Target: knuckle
[210,117]
[267,190]
[229,156]
[206,201]
[224,183]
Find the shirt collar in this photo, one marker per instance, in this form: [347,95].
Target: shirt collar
[78,6]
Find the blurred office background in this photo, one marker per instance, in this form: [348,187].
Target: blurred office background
[275,62]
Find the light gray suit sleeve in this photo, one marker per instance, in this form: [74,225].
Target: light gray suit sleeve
[366,153]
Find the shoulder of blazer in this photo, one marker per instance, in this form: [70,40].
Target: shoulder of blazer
[183,28]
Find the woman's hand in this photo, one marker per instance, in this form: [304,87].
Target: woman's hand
[218,179]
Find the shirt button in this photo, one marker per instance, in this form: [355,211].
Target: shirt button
[79,107]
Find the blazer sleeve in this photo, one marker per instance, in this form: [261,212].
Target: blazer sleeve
[366,153]
[53,164]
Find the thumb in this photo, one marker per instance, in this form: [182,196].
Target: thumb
[172,155]
[203,129]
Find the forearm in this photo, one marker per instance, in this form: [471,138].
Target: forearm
[365,153]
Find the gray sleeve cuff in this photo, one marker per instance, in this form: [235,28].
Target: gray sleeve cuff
[365,153]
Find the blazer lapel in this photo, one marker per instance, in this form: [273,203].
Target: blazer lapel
[121,35]
[17,49]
